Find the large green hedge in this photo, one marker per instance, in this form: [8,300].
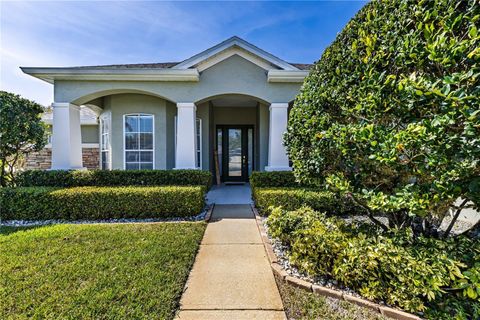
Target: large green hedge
[78,203]
[391,112]
[439,277]
[76,178]
[294,198]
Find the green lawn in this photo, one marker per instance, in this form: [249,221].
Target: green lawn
[300,304]
[102,271]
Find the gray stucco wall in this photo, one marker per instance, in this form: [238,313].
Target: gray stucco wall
[234,75]
[90,134]
[122,104]
[264,123]
[171,112]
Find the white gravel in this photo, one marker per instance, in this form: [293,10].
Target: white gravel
[29,223]
[283,259]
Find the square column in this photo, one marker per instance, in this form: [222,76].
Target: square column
[277,156]
[66,137]
[185,157]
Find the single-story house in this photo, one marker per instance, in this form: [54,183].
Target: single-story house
[224,110]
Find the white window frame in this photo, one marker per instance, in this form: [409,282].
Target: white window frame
[139,150]
[107,119]
[198,133]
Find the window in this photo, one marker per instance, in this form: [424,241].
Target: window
[105,163]
[139,141]
[198,136]
[198,131]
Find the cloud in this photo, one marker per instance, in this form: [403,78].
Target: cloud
[104,32]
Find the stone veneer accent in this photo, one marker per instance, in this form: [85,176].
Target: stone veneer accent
[91,158]
[43,159]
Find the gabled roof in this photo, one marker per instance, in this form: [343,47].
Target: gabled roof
[187,70]
[234,42]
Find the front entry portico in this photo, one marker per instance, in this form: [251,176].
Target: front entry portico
[178,112]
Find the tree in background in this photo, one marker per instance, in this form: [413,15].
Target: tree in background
[390,114]
[21,132]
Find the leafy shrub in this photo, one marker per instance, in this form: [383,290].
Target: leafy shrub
[421,275]
[294,198]
[391,111]
[42,203]
[272,179]
[21,130]
[76,178]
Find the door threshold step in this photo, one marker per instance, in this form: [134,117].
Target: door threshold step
[233,183]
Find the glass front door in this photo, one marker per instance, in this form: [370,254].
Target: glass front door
[235,152]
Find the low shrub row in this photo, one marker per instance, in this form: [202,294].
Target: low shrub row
[77,178]
[41,203]
[293,198]
[438,277]
[273,179]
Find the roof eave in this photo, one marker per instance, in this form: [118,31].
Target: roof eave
[131,74]
[290,76]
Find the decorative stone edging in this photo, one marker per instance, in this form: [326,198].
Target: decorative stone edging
[320,290]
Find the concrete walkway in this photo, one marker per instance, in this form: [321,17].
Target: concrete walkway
[230,194]
[231,277]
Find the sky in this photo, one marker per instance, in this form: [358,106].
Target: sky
[71,33]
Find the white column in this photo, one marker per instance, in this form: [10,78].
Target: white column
[277,156]
[66,137]
[186,139]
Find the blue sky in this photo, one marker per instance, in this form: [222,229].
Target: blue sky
[91,33]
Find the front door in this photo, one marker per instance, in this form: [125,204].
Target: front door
[235,152]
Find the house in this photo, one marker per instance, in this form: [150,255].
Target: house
[224,110]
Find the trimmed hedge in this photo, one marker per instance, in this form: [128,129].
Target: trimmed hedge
[77,178]
[440,277]
[293,198]
[272,179]
[42,203]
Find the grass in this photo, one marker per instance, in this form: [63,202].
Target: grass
[300,304]
[102,271]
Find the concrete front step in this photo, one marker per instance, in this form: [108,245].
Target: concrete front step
[231,315]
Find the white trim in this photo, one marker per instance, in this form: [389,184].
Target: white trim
[131,74]
[272,168]
[185,149]
[84,145]
[199,148]
[90,145]
[66,137]
[287,76]
[231,52]
[108,119]
[277,155]
[186,105]
[153,137]
[233,41]
[83,122]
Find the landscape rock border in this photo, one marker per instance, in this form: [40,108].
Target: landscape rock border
[320,290]
[208,215]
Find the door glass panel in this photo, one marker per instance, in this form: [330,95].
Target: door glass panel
[250,150]
[219,150]
[235,152]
